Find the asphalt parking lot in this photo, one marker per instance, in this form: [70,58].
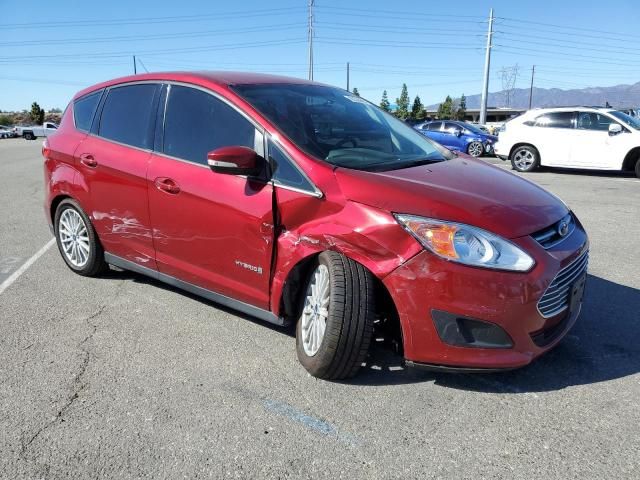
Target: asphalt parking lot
[123,377]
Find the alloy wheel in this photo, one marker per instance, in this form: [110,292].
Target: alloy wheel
[315,310]
[74,238]
[524,159]
[476,149]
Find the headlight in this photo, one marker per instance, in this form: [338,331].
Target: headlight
[466,244]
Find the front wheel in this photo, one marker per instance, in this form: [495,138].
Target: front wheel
[525,158]
[638,168]
[336,323]
[475,149]
[77,240]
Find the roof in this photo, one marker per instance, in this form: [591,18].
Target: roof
[220,78]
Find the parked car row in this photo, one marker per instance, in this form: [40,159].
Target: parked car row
[30,132]
[459,136]
[6,132]
[572,137]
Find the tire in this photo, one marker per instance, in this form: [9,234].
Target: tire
[29,136]
[348,325]
[525,158]
[638,168]
[475,149]
[72,228]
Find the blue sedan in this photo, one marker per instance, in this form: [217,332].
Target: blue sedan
[458,136]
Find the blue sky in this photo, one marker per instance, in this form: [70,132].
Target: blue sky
[54,49]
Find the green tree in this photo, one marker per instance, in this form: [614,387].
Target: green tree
[462,108]
[446,109]
[37,113]
[403,103]
[384,103]
[417,108]
[356,92]
[6,119]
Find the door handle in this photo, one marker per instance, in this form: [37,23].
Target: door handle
[167,185]
[88,160]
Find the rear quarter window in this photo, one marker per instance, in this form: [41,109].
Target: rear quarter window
[555,120]
[83,110]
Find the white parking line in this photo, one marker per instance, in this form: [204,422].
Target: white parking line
[15,275]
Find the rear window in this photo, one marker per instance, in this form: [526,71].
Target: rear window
[127,113]
[83,110]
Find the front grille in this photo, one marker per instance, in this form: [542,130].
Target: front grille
[556,298]
[554,234]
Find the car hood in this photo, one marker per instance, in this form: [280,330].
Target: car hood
[463,189]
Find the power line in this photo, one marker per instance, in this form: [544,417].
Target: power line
[594,59]
[127,38]
[149,20]
[520,21]
[289,41]
[392,12]
[383,43]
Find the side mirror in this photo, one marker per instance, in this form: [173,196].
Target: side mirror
[615,128]
[234,161]
[457,132]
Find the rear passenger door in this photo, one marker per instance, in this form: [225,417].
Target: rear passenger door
[112,162]
[554,135]
[211,230]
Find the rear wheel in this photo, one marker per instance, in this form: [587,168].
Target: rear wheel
[77,240]
[29,136]
[525,158]
[336,323]
[638,168]
[475,149]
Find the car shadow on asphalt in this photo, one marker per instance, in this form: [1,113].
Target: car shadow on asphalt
[585,173]
[603,345]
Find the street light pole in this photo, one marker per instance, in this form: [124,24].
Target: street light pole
[487,66]
[533,72]
[311,39]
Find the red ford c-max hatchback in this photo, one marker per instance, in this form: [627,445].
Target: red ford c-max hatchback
[298,202]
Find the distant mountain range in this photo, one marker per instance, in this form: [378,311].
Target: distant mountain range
[618,96]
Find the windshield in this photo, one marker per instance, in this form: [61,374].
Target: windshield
[340,128]
[633,122]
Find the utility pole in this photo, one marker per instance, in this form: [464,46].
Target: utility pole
[347,76]
[311,39]
[533,72]
[135,69]
[487,65]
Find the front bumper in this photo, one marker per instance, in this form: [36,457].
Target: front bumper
[508,300]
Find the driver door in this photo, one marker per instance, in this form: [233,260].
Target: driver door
[211,230]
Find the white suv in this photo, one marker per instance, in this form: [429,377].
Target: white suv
[573,137]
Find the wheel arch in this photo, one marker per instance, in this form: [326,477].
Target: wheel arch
[629,163]
[290,298]
[54,204]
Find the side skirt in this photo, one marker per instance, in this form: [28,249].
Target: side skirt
[252,310]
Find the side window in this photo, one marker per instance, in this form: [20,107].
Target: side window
[555,120]
[285,172]
[127,114]
[83,110]
[196,123]
[593,121]
[434,126]
[451,127]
